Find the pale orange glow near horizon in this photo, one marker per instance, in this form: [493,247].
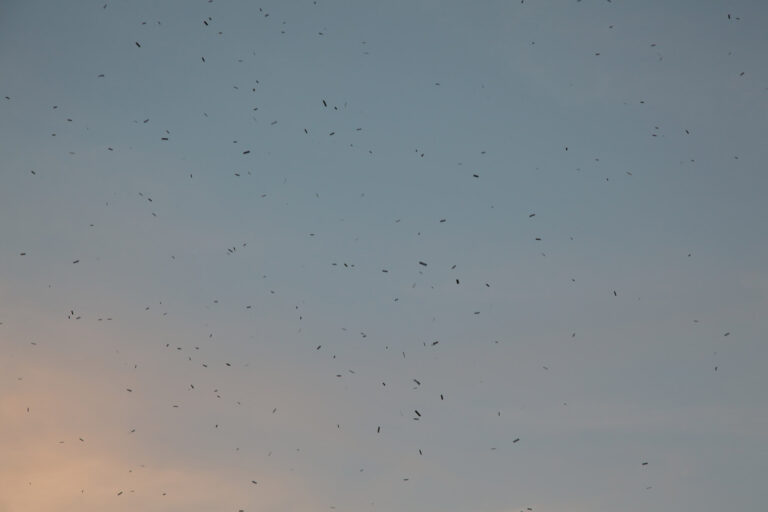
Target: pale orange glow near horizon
[66,446]
[49,463]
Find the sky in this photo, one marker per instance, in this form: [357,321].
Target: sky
[414,255]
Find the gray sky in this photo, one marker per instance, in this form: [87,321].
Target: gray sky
[230,220]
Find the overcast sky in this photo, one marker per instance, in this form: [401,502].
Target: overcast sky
[428,256]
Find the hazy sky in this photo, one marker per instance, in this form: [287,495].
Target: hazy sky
[428,256]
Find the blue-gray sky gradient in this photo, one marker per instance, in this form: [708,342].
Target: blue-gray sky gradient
[635,131]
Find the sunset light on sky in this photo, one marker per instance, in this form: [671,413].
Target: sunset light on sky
[391,256]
